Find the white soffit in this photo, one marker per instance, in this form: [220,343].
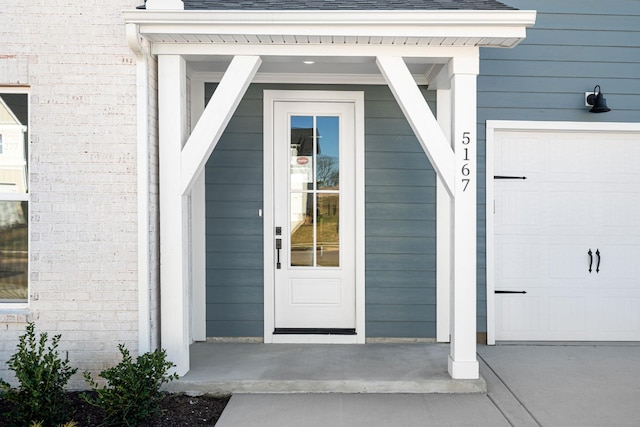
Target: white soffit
[503,28]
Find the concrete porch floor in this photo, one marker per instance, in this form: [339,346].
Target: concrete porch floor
[227,368]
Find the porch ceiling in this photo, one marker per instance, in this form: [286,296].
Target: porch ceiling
[314,69]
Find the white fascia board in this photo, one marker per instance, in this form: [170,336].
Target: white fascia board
[404,23]
[332,17]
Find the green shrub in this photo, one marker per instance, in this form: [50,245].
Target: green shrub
[42,377]
[69,424]
[132,391]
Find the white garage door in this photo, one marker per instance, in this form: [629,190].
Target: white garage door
[568,235]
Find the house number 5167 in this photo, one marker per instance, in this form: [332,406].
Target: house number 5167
[465,170]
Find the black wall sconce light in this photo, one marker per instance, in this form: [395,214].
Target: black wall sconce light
[597,100]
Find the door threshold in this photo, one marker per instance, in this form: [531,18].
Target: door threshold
[314,331]
[305,338]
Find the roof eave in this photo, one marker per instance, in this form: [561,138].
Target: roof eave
[503,28]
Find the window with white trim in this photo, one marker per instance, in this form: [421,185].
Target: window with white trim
[14,197]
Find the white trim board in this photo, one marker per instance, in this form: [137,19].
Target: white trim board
[357,98]
[495,126]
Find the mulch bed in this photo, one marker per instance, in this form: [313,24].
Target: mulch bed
[178,410]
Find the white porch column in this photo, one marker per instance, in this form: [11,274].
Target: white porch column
[198,231]
[443,230]
[174,272]
[462,355]
[198,260]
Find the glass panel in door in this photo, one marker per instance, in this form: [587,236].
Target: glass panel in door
[314,189]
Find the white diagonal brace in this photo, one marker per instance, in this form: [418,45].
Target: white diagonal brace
[216,116]
[424,124]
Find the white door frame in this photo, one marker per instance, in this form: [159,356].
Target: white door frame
[493,127]
[270,97]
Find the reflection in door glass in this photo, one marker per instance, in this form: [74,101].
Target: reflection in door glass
[302,229]
[314,191]
[301,162]
[328,230]
[327,166]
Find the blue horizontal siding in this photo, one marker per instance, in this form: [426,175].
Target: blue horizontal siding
[398,194]
[395,329]
[231,312]
[392,143]
[234,261]
[396,211]
[234,229]
[235,328]
[231,278]
[399,225]
[232,209]
[400,245]
[400,228]
[235,295]
[388,279]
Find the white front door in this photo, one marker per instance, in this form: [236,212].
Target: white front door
[314,233]
[568,235]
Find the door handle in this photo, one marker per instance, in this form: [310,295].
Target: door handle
[598,264]
[278,247]
[590,259]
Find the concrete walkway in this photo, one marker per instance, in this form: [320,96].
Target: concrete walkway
[571,384]
[527,385]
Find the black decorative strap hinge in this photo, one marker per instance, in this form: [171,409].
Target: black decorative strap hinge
[508,177]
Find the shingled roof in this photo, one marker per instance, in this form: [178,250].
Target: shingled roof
[345,5]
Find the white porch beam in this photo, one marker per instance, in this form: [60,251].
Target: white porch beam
[436,54]
[419,115]
[215,117]
[174,305]
[462,355]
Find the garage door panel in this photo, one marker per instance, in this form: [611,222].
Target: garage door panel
[620,209]
[519,208]
[612,163]
[567,208]
[567,313]
[518,262]
[568,262]
[520,154]
[619,314]
[562,148]
[620,262]
[582,193]
[629,164]
[516,314]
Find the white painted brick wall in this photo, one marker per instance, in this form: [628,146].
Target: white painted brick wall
[74,56]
